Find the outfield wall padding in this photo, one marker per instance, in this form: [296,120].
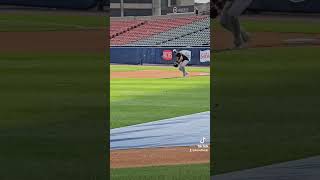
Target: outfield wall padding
[66,4]
[141,55]
[303,6]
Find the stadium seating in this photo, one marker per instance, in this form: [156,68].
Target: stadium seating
[120,27]
[196,33]
[161,31]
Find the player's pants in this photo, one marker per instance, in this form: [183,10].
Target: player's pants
[182,67]
[229,19]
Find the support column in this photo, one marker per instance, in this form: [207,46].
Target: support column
[122,8]
[156,7]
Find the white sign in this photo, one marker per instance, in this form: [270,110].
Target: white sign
[186,53]
[175,10]
[205,56]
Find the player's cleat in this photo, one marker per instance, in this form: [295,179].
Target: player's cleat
[246,37]
[240,46]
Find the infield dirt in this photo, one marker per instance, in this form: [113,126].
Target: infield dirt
[223,39]
[158,157]
[154,74]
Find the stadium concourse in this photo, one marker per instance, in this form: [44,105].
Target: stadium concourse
[169,30]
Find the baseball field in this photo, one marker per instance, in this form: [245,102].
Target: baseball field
[137,99]
[53,81]
[52,96]
[268,94]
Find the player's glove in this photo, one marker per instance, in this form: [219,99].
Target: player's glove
[214,13]
[220,4]
[175,64]
[216,7]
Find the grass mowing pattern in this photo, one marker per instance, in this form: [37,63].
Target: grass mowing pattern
[269,107]
[21,22]
[51,112]
[135,101]
[185,172]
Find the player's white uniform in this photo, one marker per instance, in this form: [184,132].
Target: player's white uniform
[183,64]
[230,19]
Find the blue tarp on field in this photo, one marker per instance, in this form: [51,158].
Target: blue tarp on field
[180,131]
[304,169]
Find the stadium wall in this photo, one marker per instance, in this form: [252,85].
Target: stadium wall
[131,8]
[69,4]
[157,55]
[303,6]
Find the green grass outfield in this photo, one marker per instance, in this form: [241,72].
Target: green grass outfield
[52,110]
[55,21]
[269,107]
[135,101]
[185,172]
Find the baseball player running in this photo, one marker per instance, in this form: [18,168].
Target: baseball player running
[181,62]
[229,19]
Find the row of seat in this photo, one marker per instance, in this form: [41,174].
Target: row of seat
[200,38]
[152,27]
[195,30]
[119,27]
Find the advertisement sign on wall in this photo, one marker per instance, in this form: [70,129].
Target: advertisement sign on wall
[180,9]
[205,56]
[167,55]
[156,55]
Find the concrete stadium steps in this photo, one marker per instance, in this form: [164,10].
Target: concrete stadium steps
[196,33]
[152,27]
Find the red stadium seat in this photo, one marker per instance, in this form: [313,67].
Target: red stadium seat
[141,29]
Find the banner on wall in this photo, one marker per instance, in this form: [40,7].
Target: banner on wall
[179,9]
[205,56]
[156,55]
[167,55]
